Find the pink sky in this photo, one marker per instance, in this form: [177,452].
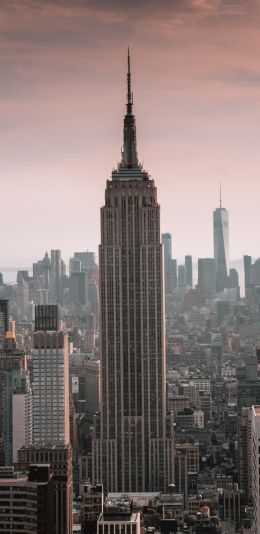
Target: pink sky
[196,82]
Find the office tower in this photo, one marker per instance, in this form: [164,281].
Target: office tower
[11,360]
[245,452]
[22,297]
[46,317]
[256,272]
[255,439]
[182,286]
[78,288]
[188,271]
[41,280]
[3,321]
[181,474]
[74,266]
[26,502]
[56,277]
[17,413]
[233,281]
[248,271]
[133,436]
[59,457]
[233,278]
[1,279]
[167,247]
[87,260]
[50,387]
[207,277]
[248,384]
[170,265]
[85,383]
[221,245]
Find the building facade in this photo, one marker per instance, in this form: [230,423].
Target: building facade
[59,457]
[50,387]
[221,246]
[133,436]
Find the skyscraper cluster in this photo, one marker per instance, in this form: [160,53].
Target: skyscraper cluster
[130,390]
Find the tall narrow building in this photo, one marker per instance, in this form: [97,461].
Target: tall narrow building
[133,435]
[221,245]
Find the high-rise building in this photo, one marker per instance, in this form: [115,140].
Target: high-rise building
[221,245]
[46,317]
[207,276]
[248,271]
[133,435]
[85,383]
[255,439]
[26,502]
[74,266]
[17,413]
[188,271]
[170,265]
[3,321]
[50,387]
[56,277]
[167,247]
[245,452]
[59,457]
[12,362]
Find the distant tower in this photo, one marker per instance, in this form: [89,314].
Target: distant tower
[167,247]
[207,277]
[133,435]
[56,277]
[3,321]
[221,244]
[188,271]
[170,265]
[248,271]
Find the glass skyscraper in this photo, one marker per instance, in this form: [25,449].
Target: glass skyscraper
[221,246]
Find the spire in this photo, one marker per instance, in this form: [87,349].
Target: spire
[129,92]
[220,195]
[129,152]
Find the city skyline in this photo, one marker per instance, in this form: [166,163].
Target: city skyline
[198,108]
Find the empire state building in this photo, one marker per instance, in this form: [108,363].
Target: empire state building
[133,444]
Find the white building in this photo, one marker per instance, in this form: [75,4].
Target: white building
[50,387]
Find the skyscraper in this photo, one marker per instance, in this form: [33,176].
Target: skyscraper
[207,276]
[56,277]
[3,320]
[133,435]
[50,385]
[188,271]
[221,245]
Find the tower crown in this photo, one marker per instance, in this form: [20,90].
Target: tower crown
[129,167]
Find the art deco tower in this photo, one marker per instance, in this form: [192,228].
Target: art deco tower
[133,435]
[221,245]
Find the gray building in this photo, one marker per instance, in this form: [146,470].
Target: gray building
[133,436]
[207,277]
[3,320]
[188,271]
